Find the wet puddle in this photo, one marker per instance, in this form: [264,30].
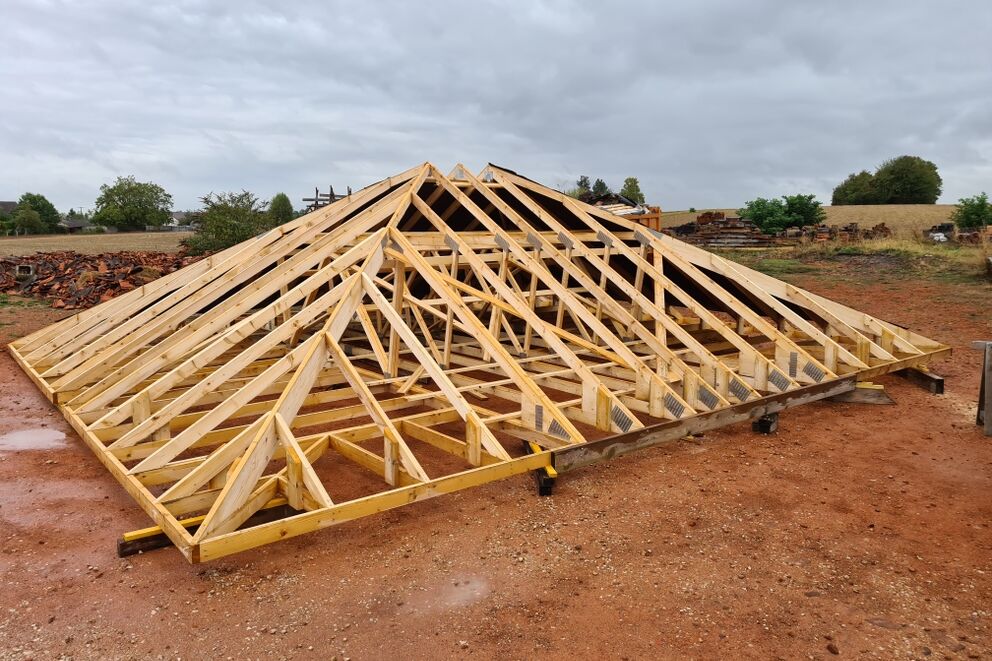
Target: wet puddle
[32,439]
[457,594]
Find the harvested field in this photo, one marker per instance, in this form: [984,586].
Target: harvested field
[93,243]
[905,220]
[862,528]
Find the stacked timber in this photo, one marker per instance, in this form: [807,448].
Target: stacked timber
[713,229]
[843,233]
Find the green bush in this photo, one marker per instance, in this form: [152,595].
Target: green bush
[777,214]
[973,212]
[227,219]
[280,210]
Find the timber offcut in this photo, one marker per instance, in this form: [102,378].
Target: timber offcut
[400,343]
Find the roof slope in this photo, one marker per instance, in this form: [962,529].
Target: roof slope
[402,342]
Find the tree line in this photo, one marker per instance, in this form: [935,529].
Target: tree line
[129,205]
[231,217]
[901,180]
[585,191]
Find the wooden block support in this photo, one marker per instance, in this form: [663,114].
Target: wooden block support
[865,393]
[924,379]
[766,424]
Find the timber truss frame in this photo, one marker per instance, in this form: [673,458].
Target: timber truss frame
[400,343]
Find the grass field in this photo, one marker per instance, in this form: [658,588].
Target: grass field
[93,243]
[908,257]
[905,220]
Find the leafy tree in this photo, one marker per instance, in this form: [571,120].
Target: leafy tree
[600,188]
[46,211]
[582,187]
[280,210]
[790,211]
[768,215]
[804,210]
[227,219]
[632,190]
[973,212]
[907,180]
[28,221]
[902,180]
[856,189]
[132,205]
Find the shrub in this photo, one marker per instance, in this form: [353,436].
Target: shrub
[227,219]
[973,212]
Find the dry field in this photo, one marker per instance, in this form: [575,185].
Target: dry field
[904,219]
[93,243]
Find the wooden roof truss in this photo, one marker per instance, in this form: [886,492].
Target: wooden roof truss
[401,342]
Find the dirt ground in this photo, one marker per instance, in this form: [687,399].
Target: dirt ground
[858,531]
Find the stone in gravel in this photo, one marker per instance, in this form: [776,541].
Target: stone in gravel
[832,648]
[884,623]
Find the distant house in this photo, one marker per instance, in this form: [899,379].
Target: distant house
[76,224]
[7,208]
[179,221]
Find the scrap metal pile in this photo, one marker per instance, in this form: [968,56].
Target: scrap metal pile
[73,280]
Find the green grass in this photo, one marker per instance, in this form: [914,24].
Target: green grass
[875,260]
[776,266]
[17,302]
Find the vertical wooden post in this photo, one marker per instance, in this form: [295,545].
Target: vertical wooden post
[143,410]
[603,276]
[399,291]
[495,316]
[659,301]
[635,310]
[449,326]
[984,415]
[560,316]
[473,440]
[531,301]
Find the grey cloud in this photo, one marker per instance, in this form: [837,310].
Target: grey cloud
[709,104]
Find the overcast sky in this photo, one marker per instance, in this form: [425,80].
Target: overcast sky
[708,103]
